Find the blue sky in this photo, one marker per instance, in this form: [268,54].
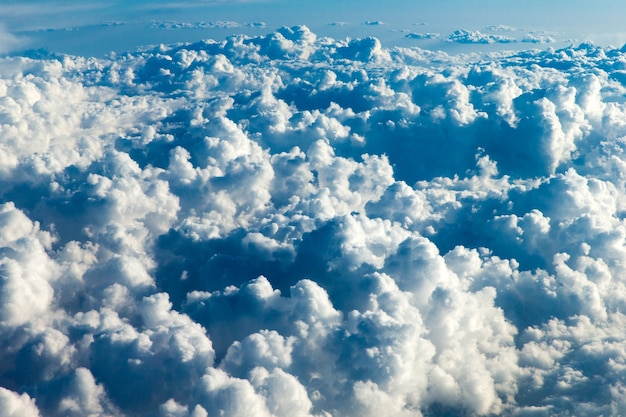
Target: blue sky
[44,23]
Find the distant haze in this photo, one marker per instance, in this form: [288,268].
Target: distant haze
[77,27]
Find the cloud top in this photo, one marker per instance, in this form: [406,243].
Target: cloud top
[292,225]
[469,36]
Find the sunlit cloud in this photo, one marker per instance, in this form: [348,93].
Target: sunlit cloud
[287,224]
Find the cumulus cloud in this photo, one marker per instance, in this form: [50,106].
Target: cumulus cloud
[538,37]
[496,34]
[471,36]
[16,405]
[420,36]
[291,225]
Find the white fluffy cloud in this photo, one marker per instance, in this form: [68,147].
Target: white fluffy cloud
[288,225]
[15,405]
[471,36]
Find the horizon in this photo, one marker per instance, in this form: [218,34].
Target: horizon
[96,29]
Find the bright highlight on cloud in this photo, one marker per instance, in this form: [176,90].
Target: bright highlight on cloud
[288,225]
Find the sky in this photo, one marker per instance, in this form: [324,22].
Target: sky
[311,210]
[101,27]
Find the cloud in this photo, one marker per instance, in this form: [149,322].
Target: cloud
[468,36]
[169,25]
[292,225]
[420,36]
[257,24]
[538,37]
[500,28]
[15,405]
[9,42]
[86,397]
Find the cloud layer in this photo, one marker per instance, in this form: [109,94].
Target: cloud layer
[288,225]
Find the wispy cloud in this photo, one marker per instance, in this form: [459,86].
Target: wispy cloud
[10,42]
